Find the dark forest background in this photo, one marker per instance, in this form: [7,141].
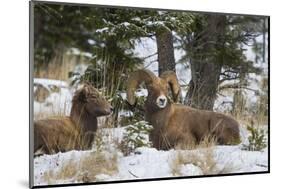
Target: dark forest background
[214,47]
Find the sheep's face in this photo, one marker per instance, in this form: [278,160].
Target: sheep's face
[158,94]
[94,103]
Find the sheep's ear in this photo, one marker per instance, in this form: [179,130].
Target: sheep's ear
[83,94]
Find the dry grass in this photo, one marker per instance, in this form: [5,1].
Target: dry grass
[50,111]
[207,142]
[104,139]
[247,114]
[242,107]
[60,66]
[85,169]
[204,158]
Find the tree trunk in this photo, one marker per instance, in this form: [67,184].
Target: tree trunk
[205,64]
[165,49]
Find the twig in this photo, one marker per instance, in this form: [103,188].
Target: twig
[149,56]
[236,87]
[150,63]
[261,165]
[133,174]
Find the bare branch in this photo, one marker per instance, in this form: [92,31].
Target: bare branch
[149,56]
[236,86]
[229,78]
[150,63]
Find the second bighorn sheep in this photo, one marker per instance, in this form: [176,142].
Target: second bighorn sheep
[176,125]
[60,134]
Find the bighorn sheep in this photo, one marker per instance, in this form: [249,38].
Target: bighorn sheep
[177,125]
[60,134]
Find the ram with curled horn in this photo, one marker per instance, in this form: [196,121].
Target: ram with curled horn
[177,125]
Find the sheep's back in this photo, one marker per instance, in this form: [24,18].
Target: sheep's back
[195,124]
[55,134]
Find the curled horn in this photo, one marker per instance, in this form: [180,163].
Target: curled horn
[135,79]
[171,78]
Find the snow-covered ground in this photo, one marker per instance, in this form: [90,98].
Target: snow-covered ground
[146,162]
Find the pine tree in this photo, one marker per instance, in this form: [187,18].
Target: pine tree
[215,50]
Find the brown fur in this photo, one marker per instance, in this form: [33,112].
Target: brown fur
[60,134]
[179,125]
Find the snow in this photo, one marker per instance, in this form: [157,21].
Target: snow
[155,23]
[80,69]
[144,48]
[224,103]
[183,74]
[136,19]
[76,51]
[138,93]
[101,30]
[57,103]
[147,47]
[191,170]
[148,162]
[50,82]
[126,24]
[91,42]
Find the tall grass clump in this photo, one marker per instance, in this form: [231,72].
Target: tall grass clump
[85,169]
[108,73]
